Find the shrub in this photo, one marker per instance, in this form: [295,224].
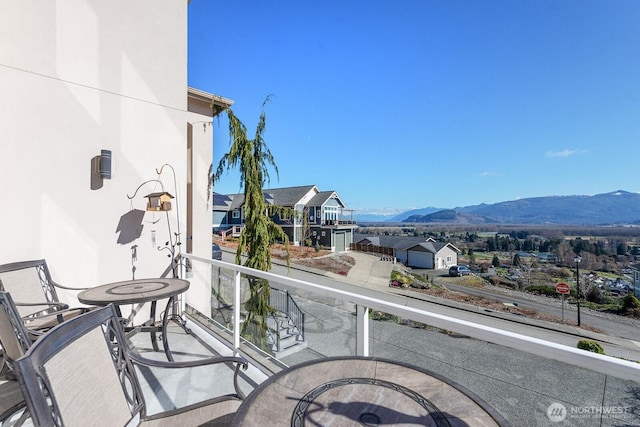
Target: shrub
[591,346]
[633,312]
[501,281]
[379,315]
[630,302]
[594,294]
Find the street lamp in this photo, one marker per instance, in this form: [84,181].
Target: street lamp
[577,259]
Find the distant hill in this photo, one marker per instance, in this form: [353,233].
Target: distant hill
[615,208]
[393,217]
[450,216]
[415,212]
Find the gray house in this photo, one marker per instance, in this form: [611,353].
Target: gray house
[323,218]
[416,252]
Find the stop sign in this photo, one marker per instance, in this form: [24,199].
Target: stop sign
[562,288]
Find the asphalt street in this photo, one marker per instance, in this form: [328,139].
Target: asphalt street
[620,327]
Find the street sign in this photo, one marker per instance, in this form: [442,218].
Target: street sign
[563,288]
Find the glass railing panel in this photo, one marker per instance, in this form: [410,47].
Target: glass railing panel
[525,389]
[329,327]
[223,294]
[527,381]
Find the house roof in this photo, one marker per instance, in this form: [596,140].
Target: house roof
[433,247]
[403,243]
[322,197]
[396,242]
[287,196]
[221,201]
[290,196]
[237,200]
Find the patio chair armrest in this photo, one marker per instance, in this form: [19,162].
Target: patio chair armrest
[240,362]
[52,307]
[68,288]
[47,318]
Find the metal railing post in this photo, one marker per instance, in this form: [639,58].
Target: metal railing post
[236,311]
[362,331]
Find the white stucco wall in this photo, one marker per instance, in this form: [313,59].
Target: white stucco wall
[78,76]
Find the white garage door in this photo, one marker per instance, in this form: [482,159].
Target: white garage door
[419,259]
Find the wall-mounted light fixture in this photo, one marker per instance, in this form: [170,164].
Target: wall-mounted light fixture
[105,165]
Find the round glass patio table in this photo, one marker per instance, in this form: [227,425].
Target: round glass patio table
[139,291]
[362,391]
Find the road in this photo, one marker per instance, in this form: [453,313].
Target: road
[623,328]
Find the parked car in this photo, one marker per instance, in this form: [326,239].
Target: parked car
[459,270]
[216,252]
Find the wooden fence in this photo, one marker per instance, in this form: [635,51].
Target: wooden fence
[372,249]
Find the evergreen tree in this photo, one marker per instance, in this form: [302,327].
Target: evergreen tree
[495,261]
[516,260]
[252,157]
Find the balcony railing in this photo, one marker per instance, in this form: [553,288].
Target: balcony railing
[519,374]
[328,222]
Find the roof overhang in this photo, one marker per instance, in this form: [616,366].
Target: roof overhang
[199,101]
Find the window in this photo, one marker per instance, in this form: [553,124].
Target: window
[236,214]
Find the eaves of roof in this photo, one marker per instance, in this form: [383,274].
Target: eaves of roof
[201,95]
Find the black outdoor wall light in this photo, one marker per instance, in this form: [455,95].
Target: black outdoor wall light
[105,164]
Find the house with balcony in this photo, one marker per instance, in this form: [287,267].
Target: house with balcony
[97,114]
[321,216]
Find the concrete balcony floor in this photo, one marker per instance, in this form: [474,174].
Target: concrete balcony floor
[166,389]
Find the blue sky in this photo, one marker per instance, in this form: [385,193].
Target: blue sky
[406,104]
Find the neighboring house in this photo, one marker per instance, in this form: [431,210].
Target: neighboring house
[324,212]
[416,252]
[85,76]
[547,257]
[432,255]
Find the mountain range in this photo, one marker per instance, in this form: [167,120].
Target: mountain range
[615,208]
